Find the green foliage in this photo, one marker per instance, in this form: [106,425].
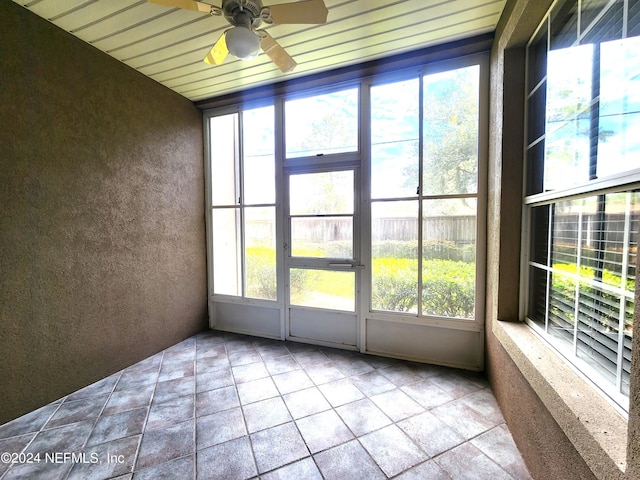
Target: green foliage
[395,284]
[448,286]
[611,261]
[394,249]
[586,272]
[299,279]
[261,272]
[447,250]
[596,303]
[451,133]
[431,250]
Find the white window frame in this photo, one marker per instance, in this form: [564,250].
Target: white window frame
[620,182]
[456,342]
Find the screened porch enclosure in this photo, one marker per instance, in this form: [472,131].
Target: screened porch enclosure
[352,216]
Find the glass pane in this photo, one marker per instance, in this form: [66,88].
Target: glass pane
[394,263]
[633,19]
[539,235]
[567,149]
[325,193]
[562,307]
[394,170]
[567,154]
[608,27]
[322,124]
[260,252]
[605,219]
[449,257]
[451,103]
[537,301]
[535,168]
[322,237]
[259,156]
[537,114]
[564,235]
[593,248]
[598,325]
[323,289]
[224,138]
[564,24]
[619,132]
[537,58]
[589,10]
[226,255]
[394,139]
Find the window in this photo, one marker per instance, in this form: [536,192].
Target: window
[582,180]
[351,214]
[424,189]
[243,204]
[322,124]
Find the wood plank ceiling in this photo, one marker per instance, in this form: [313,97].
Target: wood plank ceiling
[168,44]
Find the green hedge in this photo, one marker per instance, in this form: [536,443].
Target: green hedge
[395,284]
[448,286]
[431,250]
[261,274]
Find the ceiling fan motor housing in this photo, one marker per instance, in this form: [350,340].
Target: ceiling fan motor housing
[244,13]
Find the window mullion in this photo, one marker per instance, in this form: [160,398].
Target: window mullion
[240,192]
[420,188]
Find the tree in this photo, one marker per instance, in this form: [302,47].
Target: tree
[450,133]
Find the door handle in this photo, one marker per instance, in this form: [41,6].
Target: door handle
[349,265]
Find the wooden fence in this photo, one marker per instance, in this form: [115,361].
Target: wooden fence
[456,229]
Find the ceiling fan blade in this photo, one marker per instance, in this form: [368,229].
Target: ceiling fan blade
[276,53]
[184,4]
[306,11]
[218,52]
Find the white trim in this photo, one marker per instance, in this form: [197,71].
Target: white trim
[281,253]
[628,180]
[208,216]
[440,322]
[257,302]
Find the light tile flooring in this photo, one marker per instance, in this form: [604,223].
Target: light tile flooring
[228,406]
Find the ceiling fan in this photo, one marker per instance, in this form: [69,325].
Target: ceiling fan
[243,39]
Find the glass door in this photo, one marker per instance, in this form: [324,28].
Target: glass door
[322,260]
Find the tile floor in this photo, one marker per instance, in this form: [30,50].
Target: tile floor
[228,406]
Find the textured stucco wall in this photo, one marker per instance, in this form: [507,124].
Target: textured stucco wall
[102,240]
[633,434]
[545,448]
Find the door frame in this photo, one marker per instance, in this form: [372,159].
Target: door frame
[344,325]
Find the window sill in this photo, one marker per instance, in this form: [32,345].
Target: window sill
[595,428]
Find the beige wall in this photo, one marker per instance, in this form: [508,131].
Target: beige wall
[547,450]
[102,240]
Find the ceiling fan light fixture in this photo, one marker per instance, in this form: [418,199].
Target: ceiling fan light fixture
[242,43]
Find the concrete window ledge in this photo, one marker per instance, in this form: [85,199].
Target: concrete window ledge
[596,428]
